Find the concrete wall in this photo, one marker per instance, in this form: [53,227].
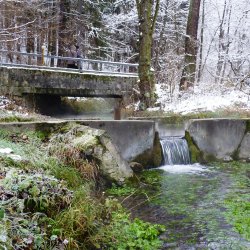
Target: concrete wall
[219,139]
[165,126]
[21,81]
[132,138]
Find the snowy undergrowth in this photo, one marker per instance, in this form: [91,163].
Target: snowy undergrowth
[12,111]
[203,97]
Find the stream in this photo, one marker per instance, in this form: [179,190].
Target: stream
[190,200]
[190,203]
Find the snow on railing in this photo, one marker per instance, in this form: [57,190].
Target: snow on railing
[15,58]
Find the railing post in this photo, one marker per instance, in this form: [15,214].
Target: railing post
[118,109]
[86,64]
[43,51]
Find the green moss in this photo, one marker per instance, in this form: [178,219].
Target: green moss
[195,153]
[152,157]
[145,159]
[238,214]
[45,130]
[208,158]
[247,126]
[92,77]
[175,118]
[16,119]
[157,151]
[235,154]
[237,200]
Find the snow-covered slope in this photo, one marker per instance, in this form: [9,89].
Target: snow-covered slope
[204,97]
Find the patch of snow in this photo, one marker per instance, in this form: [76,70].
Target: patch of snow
[203,97]
[4,102]
[9,153]
[15,157]
[6,150]
[3,237]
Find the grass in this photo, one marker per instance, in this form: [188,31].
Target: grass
[54,203]
[15,118]
[175,118]
[237,202]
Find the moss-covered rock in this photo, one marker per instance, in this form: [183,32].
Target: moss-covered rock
[78,143]
[152,157]
[195,153]
[247,126]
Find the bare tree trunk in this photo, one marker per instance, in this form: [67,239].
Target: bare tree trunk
[145,8]
[188,74]
[226,46]
[158,48]
[201,42]
[224,42]
[64,9]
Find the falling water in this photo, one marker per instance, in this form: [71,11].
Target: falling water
[175,151]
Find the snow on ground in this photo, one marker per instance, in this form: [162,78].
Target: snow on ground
[4,102]
[10,108]
[204,97]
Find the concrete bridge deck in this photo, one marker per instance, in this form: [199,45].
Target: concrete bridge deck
[24,80]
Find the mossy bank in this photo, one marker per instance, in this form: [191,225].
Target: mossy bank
[53,194]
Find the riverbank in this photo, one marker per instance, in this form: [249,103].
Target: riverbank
[202,207]
[51,198]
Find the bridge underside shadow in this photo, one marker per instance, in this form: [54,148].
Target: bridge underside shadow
[53,105]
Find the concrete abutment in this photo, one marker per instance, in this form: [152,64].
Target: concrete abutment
[218,139]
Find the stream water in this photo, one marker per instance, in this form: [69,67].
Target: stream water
[190,201]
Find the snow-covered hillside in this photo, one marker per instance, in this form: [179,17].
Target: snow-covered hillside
[204,97]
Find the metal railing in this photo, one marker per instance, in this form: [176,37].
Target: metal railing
[51,62]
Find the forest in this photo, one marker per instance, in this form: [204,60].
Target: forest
[172,173]
[177,43]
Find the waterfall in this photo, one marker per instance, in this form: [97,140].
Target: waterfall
[175,151]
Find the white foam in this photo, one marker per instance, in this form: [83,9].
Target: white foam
[186,169]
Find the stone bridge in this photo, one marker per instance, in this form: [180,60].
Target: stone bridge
[42,87]
[19,81]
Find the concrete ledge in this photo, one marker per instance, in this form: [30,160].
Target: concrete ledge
[132,138]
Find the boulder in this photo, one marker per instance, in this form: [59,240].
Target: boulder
[95,145]
[136,167]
